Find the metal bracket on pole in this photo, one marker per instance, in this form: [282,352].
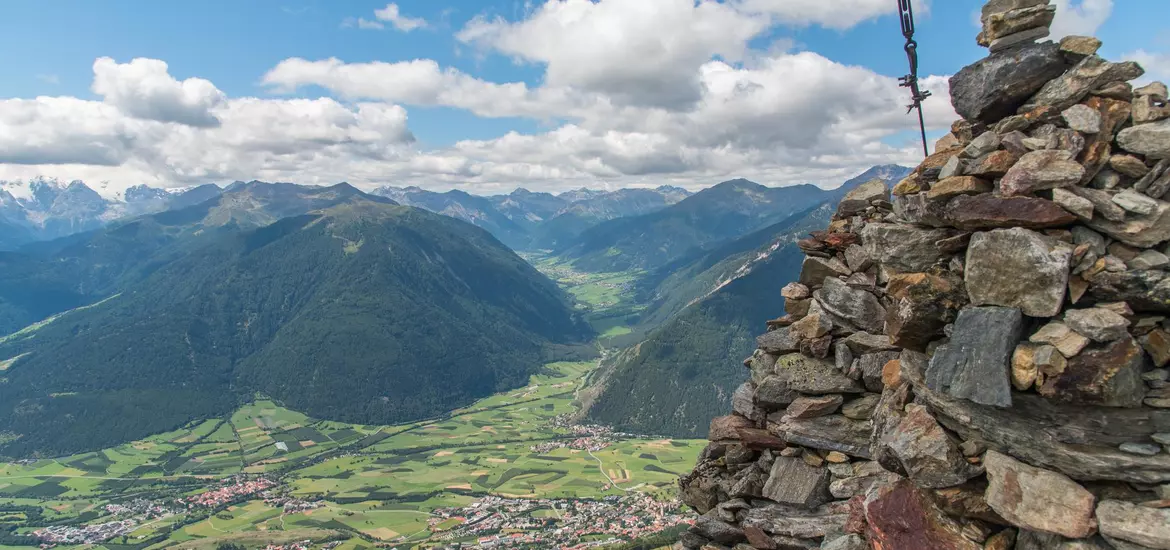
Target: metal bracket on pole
[906,14]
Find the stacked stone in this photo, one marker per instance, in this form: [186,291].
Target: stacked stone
[977,360]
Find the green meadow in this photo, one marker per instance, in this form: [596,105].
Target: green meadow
[378,483]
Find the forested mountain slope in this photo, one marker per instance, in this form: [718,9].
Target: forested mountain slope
[713,215]
[44,278]
[365,311]
[669,383]
[704,313]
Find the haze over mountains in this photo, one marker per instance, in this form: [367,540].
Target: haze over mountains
[199,300]
[44,208]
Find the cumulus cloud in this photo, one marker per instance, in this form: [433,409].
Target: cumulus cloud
[633,93]
[1083,17]
[161,143]
[422,82]
[392,14]
[144,89]
[63,130]
[1157,65]
[621,48]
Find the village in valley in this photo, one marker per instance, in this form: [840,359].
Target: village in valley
[511,471]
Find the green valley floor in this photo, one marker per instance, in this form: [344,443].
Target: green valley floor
[514,455]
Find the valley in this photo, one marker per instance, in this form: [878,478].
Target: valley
[511,462]
[515,467]
[465,401]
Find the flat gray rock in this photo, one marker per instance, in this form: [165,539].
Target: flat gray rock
[781,340]
[1099,324]
[791,521]
[1151,140]
[1040,170]
[1083,119]
[994,87]
[861,308]
[1075,84]
[975,364]
[1136,230]
[829,433]
[1018,268]
[1137,524]
[813,376]
[773,393]
[858,199]
[796,483]
[904,248]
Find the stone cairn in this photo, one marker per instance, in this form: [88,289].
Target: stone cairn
[977,360]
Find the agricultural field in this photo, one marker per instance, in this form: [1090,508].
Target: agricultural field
[374,483]
[608,298]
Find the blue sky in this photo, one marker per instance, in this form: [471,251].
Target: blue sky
[579,125]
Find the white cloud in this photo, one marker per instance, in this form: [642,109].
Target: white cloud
[49,78]
[144,89]
[401,22]
[645,52]
[421,82]
[366,24]
[647,92]
[1083,18]
[311,140]
[1157,65]
[64,130]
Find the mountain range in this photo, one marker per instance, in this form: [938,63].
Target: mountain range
[43,208]
[526,220]
[340,304]
[155,308]
[703,314]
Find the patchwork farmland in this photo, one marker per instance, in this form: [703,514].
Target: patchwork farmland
[361,484]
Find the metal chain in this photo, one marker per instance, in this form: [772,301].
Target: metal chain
[906,15]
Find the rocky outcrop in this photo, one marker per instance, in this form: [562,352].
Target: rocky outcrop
[977,360]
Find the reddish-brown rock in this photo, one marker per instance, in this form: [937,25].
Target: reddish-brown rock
[1157,344]
[994,165]
[812,407]
[1114,114]
[758,440]
[758,538]
[726,427]
[927,453]
[923,303]
[991,212]
[901,517]
[1109,376]
[958,185]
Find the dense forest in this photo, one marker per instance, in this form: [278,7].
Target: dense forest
[685,354]
[684,372]
[366,312]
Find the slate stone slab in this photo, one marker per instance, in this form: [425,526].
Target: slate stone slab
[994,87]
[1018,268]
[859,307]
[975,364]
[794,482]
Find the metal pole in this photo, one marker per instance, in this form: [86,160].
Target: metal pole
[917,95]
